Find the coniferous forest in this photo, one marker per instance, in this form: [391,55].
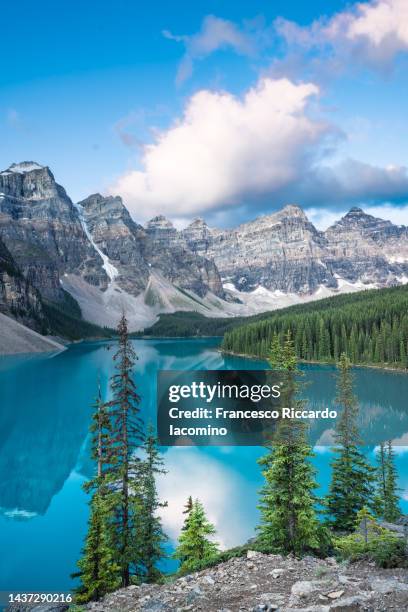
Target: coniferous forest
[371,327]
[126,544]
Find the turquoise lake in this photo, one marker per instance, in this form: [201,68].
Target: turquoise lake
[45,409]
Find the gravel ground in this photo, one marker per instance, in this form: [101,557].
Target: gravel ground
[266,583]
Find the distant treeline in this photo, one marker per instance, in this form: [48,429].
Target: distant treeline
[190,324]
[369,326]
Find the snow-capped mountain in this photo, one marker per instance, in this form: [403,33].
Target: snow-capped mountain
[285,252]
[107,261]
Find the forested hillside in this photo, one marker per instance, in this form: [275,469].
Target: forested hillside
[370,326]
[188,324]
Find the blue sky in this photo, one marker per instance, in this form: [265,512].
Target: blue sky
[214,108]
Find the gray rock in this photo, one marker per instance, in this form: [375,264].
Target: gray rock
[18,297]
[317,608]
[156,606]
[304,588]
[335,594]
[284,251]
[41,228]
[46,237]
[277,573]
[350,604]
[389,585]
[252,554]
[135,250]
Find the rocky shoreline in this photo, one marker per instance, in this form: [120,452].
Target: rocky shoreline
[266,583]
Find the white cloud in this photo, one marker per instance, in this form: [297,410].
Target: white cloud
[382,24]
[396,214]
[370,32]
[194,472]
[215,34]
[229,158]
[351,181]
[322,218]
[225,147]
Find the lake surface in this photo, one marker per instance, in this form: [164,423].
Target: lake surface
[45,409]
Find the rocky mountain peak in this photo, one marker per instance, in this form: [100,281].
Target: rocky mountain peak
[103,204]
[356,214]
[92,200]
[198,235]
[357,219]
[289,215]
[198,222]
[108,220]
[25,166]
[30,181]
[293,210]
[159,222]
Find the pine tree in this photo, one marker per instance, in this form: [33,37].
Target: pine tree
[98,572]
[351,485]
[150,537]
[380,489]
[188,505]
[101,431]
[288,518]
[125,468]
[194,546]
[392,511]
[275,355]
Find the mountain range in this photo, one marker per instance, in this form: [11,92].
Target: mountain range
[53,250]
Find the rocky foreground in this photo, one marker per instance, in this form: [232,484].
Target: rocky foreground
[270,582]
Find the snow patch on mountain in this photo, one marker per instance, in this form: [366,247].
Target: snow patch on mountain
[109,268]
[27,166]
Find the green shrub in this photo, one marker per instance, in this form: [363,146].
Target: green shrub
[390,553]
[372,542]
[325,542]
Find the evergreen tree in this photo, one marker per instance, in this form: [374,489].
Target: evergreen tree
[275,355]
[380,489]
[351,485]
[125,467]
[150,537]
[98,572]
[188,505]
[392,511]
[101,431]
[194,546]
[370,327]
[288,518]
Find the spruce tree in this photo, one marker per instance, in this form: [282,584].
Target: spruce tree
[101,431]
[98,572]
[380,484]
[150,537]
[275,355]
[125,468]
[351,486]
[288,518]
[188,505]
[392,510]
[194,545]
